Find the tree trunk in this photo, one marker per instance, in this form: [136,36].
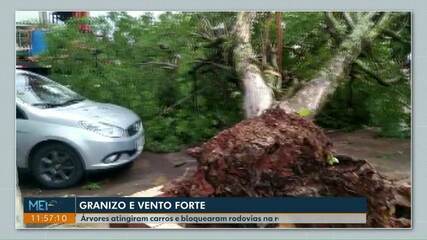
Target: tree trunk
[312,97]
[279,40]
[281,154]
[258,96]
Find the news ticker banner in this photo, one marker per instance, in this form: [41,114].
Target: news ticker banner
[57,210]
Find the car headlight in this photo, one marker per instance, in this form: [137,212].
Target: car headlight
[103,129]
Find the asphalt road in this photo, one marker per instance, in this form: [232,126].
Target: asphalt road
[390,156]
[149,170]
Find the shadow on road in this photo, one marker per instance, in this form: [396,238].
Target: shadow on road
[149,170]
[390,156]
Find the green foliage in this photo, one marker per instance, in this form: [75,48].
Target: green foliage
[307,44]
[304,112]
[144,64]
[92,186]
[153,66]
[361,100]
[331,160]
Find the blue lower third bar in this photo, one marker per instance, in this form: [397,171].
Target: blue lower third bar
[205,210]
[197,205]
[222,205]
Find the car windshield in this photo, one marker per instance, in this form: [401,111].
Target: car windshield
[44,93]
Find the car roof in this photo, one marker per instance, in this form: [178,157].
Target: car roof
[21,73]
[18,71]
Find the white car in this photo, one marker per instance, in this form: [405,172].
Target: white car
[60,134]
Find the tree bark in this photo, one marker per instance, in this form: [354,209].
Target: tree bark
[279,40]
[312,97]
[258,96]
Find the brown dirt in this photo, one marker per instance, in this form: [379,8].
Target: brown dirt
[280,154]
[390,156]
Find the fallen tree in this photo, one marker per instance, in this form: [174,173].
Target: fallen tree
[352,33]
[280,154]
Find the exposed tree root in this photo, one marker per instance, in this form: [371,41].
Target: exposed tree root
[280,154]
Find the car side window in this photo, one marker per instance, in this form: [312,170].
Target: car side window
[20,114]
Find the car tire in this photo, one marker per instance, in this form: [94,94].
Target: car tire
[56,165]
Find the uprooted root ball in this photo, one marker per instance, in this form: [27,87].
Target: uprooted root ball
[280,154]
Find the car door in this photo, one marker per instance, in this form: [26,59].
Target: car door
[23,137]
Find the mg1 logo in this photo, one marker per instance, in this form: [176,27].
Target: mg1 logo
[40,205]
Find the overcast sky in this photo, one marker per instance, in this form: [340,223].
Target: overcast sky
[31,15]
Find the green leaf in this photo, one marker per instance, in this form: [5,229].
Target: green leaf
[331,160]
[304,112]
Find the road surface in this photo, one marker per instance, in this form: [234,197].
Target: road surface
[390,156]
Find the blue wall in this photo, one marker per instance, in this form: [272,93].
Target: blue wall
[38,42]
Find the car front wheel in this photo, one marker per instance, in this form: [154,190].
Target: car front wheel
[56,165]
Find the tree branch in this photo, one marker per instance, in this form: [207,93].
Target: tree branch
[313,95]
[356,16]
[218,65]
[369,15]
[337,29]
[382,23]
[395,36]
[180,101]
[349,20]
[374,75]
[167,65]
